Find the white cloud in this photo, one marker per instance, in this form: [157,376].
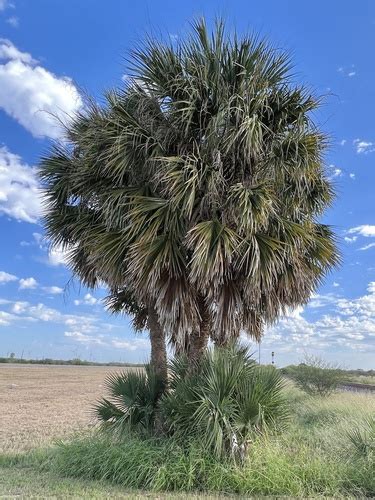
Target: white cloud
[130,345]
[19,192]
[13,21]
[20,307]
[337,172]
[99,339]
[84,338]
[342,142]
[318,300]
[349,239]
[352,176]
[5,318]
[348,326]
[10,52]
[367,247]
[4,4]
[54,290]
[335,284]
[366,230]
[364,147]
[28,283]
[32,95]
[88,300]
[6,277]
[57,256]
[350,72]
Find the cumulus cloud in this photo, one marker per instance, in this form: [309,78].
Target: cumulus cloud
[366,230]
[32,95]
[28,283]
[84,329]
[88,300]
[57,256]
[6,319]
[364,147]
[54,290]
[102,340]
[84,338]
[20,307]
[6,277]
[19,191]
[348,324]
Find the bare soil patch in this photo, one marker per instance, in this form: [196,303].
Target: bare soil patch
[41,402]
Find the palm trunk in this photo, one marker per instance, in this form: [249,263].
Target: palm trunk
[158,349]
[199,338]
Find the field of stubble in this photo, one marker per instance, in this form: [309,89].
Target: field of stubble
[42,402]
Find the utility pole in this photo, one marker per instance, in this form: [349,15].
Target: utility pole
[273,357]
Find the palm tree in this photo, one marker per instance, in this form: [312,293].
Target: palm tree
[198,187]
[74,220]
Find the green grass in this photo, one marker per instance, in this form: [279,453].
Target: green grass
[313,457]
[25,482]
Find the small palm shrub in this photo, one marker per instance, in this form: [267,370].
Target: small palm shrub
[132,403]
[224,401]
[363,439]
[316,377]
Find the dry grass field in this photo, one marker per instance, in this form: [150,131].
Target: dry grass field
[42,402]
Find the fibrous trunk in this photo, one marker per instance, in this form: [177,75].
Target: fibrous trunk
[158,348]
[199,338]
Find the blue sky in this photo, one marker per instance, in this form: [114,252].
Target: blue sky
[52,51]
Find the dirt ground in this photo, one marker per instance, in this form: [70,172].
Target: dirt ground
[41,402]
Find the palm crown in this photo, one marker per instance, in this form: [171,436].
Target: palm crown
[197,187]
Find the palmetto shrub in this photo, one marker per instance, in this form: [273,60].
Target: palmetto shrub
[225,401]
[363,439]
[132,403]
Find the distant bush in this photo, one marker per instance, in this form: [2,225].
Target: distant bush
[315,376]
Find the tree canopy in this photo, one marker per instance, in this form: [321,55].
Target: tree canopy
[197,187]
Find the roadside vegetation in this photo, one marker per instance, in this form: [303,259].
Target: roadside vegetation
[193,193]
[315,454]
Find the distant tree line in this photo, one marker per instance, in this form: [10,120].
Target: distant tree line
[75,361]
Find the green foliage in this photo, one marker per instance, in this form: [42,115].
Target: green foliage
[133,401]
[203,176]
[363,439]
[224,402]
[274,467]
[316,377]
[313,457]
